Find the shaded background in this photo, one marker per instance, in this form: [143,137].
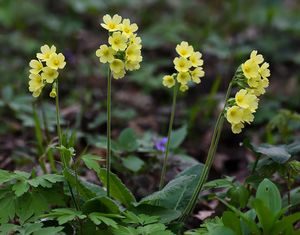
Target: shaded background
[224,31]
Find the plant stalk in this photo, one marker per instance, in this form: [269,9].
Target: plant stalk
[164,168]
[108,132]
[209,160]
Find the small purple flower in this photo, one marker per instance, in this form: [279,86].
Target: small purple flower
[161,144]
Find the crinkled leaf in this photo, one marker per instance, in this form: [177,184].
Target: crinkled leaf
[99,218]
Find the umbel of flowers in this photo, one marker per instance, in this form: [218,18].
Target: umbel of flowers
[252,77]
[188,66]
[123,52]
[44,70]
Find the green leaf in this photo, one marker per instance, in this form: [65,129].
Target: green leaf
[103,204]
[264,214]
[7,208]
[20,188]
[153,229]
[133,163]
[46,180]
[177,193]
[178,136]
[85,189]
[49,231]
[92,161]
[128,140]
[117,189]
[141,219]
[99,218]
[64,215]
[270,196]
[6,176]
[232,221]
[121,230]
[278,154]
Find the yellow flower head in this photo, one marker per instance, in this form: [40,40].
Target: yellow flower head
[182,64]
[133,52]
[257,58]
[234,115]
[260,89]
[46,52]
[264,70]
[196,74]
[44,70]
[237,128]
[184,49]
[56,61]
[117,66]
[105,54]
[36,66]
[250,68]
[53,93]
[118,41]
[195,59]
[135,40]
[254,81]
[127,28]
[35,83]
[49,75]
[119,74]
[183,87]
[132,65]
[246,100]
[183,77]
[168,81]
[111,23]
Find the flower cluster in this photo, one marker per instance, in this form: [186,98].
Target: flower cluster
[44,70]
[188,66]
[253,80]
[124,49]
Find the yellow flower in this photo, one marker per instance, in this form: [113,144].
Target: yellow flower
[135,40]
[36,84]
[56,61]
[105,54]
[195,59]
[168,81]
[257,58]
[196,74]
[182,64]
[133,52]
[264,70]
[116,66]
[132,65]
[247,116]
[36,66]
[46,52]
[260,89]
[246,100]
[127,28]
[184,49]
[237,128]
[183,77]
[250,68]
[49,74]
[118,41]
[111,23]
[53,93]
[183,87]
[234,115]
[253,81]
[119,74]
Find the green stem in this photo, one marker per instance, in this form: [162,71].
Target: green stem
[164,168]
[209,161]
[108,133]
[59,133]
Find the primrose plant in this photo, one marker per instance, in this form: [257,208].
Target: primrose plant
[123,54]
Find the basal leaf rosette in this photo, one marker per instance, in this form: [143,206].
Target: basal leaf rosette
[44,70]
[123,52]
[252,79]
[188,66]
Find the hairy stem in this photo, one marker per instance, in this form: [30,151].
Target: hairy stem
[108,132]
[209,160]
[164,168]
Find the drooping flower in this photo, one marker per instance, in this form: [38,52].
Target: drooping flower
[105,54]
[168,81]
